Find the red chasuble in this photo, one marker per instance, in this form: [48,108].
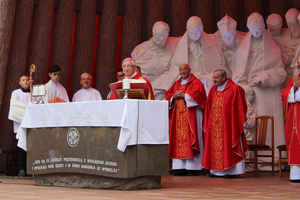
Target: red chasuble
[151,95]
[183,136]
[225,115]
[292,126]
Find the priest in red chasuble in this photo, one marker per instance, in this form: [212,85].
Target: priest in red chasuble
[187,100]
[225,141]
[291,102]
[129,69]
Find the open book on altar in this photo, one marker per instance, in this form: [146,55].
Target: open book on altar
[138,89]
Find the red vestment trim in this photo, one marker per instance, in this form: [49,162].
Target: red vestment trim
[217,125]
[182,127]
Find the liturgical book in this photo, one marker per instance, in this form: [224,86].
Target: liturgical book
[138,89]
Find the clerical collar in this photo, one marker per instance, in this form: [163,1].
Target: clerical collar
[132,75]
[222,87]
[184,81]
[24,90]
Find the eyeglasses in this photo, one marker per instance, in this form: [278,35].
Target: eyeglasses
[85,79]
[120,75]
[184,69]
[127,66]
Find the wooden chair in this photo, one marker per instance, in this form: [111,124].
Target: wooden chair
[10,168]
[261,129]
[282,160]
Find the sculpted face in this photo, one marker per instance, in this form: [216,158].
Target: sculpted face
[228,37]
[160,38]
[256,24]
[274,30]
[257,31]
[24,82]
[218,79]
[128,68]
[195,34]
[184,71]
[274,24]
[86,81]
[294,29]
[160,32]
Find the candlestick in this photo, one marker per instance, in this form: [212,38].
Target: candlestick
[126,84]
[35,91]
[42,90]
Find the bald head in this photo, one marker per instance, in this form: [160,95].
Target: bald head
[184,71]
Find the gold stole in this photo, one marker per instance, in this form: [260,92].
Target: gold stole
[217,126]
[181,125]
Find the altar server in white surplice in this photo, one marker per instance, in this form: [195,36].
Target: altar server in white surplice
[20,98]
[55,92]
[87,93]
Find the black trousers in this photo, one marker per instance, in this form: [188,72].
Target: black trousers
[22,159]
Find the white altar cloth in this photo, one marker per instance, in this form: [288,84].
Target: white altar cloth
[141,121]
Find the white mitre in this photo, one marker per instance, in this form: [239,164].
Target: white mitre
[227,24]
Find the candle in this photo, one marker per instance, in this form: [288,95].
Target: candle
[41,89]
[126,84]
[35,91]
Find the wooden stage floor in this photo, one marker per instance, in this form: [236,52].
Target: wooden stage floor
[265,186]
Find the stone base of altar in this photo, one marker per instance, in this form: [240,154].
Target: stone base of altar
[98,182]
[95,161]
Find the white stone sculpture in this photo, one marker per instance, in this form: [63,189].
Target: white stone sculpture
[154,55]
[199,51]
[289,41]
[251,114]
[293,66]
[228,39]
[282,37]
[259,65]
[274,24]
